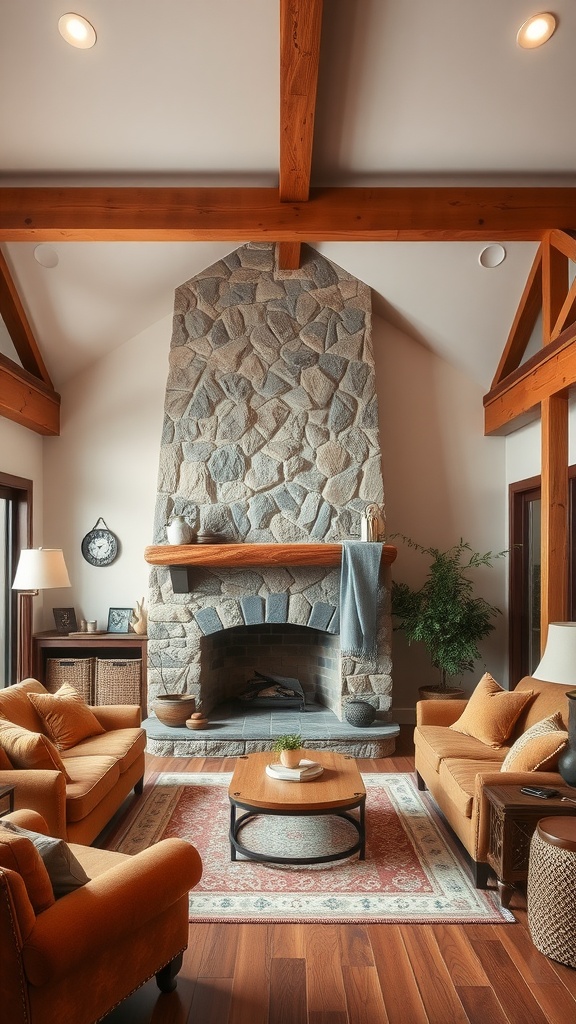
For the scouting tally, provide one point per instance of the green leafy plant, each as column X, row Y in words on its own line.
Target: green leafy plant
column 290, row 741
column 443, row 613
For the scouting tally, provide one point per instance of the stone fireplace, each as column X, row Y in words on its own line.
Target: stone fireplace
column 270, row 447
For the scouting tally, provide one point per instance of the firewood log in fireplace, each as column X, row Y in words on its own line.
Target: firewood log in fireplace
column 267, row 691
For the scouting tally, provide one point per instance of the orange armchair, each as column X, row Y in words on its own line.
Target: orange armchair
column 92, row 948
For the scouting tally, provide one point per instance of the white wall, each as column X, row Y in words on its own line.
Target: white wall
column 443, row 480
column 105, row 463
column 21, row 455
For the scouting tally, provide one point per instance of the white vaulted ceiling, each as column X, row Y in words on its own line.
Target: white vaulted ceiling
column 187, row 92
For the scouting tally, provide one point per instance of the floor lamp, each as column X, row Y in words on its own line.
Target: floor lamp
column 38, row 569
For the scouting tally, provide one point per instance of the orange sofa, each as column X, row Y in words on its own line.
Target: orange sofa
column 456, row 768
column 75, row 958
column 101, row 770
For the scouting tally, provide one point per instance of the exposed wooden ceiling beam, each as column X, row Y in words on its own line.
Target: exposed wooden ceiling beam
column 300, row 30
column 26, row 400
column 16, row 321
column 554, row 286
column 247, row 214
column 550, row 372
column 524, row 321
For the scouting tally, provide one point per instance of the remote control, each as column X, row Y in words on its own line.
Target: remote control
column 540, row 791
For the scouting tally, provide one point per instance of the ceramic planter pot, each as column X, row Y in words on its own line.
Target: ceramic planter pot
column 291, row 758
column 174, row 708
column 359, row 713
column 435, row 693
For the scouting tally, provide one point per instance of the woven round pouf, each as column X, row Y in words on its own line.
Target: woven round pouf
column 551, row 892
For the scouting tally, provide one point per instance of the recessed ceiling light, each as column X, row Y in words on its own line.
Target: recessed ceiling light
column 77, row 31
column 492, row 256
column 46, row 256
column 536, row 30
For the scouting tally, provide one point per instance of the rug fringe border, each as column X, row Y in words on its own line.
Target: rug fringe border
column 350, row 920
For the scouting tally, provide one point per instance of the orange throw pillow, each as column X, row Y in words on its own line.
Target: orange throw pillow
column 19, row 854
column 66, row 716
column 27, row 749
column 491, row 712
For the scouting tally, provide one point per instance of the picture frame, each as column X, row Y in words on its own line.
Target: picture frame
column 65, row 620
column 119, row 620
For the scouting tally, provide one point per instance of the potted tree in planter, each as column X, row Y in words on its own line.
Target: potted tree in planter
column 444, row 614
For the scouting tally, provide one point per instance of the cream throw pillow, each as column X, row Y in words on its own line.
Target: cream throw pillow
column 539, row 748
column 491, row 712
column 66, row 716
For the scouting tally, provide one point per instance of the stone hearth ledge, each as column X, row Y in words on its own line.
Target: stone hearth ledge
column 230, row 734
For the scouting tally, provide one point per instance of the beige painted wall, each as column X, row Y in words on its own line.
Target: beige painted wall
column 105, row 463
column 21, row 454
column 443, row 480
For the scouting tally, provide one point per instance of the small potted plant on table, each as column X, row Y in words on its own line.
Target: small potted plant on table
column 289, row 749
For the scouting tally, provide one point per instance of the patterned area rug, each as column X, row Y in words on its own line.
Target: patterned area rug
column 412, row 872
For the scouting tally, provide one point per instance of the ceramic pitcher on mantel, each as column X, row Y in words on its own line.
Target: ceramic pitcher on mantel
column 178, row 531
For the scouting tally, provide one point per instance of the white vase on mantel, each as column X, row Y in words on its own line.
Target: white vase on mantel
column 178, row 531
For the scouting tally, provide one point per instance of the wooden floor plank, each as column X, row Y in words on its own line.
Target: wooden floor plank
column 251, row 983
column 287, row 940
column 328, row 1017
column 356, row 946
column 481, row 1005
column 211, row 1001
column 459, row 956
column 219, row 953
column 556, row 1003
column 287, row 992
column 400, row 991
column 438, row 994
column 511, row 990
column 323, row 953
column 364, row 996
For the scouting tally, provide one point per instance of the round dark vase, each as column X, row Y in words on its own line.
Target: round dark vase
column 567, row 759
column 359, row 712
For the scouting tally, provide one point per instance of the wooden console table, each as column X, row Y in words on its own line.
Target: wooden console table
column 513, row 819
column 50, row 644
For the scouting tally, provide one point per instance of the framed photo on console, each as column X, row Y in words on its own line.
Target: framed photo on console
column 65, row 619
column 119, row 620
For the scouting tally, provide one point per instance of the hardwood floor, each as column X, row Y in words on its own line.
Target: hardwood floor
column 357, row 974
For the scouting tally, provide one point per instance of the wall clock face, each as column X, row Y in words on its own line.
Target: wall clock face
column 100, row 546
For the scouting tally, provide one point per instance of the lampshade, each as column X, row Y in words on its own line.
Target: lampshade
column 41, row 569
column 558, row 663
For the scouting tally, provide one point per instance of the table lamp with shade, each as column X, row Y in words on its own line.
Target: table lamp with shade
column 38, row 569
column 558, row 665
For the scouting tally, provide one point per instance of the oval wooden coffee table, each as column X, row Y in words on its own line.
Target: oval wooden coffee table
column 337, row 791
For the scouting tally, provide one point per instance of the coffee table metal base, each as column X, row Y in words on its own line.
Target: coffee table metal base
column 236, row 824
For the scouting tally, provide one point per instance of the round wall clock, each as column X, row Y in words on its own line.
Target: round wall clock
column 100, row 545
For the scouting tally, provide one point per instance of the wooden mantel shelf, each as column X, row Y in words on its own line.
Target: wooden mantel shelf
column 234, row 556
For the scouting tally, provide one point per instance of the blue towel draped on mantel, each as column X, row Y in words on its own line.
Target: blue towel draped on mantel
column 359, row 598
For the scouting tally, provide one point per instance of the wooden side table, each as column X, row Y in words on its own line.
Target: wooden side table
column 6, row 800
column 513, row 819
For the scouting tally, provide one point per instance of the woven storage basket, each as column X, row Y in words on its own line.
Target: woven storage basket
column 118, row 680
column 551, row 899
column 79, row 672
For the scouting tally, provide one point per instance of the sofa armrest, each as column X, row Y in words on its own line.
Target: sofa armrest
column 28, row 819
column 42, row 790
column 113, row 905
column 118, row 716
column 439, row 712
column 481, row 809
